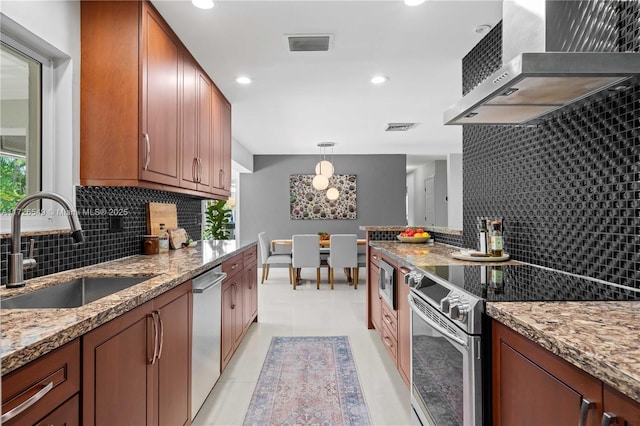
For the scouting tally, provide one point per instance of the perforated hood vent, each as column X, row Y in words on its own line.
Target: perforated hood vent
column 399, row 127
column 309, row 42
column 554, row 53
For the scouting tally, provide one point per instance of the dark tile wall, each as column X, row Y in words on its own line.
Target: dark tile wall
column 439, row 237
column 56, row 253
column 483, row 60
column 569, row 188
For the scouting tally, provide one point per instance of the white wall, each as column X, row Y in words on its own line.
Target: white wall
column 420, row 173
column 52, row 28
column 454, row 190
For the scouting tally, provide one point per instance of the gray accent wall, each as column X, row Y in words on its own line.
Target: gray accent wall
column 381, row 181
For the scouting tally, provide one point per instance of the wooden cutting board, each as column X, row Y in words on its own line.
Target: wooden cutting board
column 158, row 213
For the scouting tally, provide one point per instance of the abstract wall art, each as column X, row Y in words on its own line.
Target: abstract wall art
column 307, row 203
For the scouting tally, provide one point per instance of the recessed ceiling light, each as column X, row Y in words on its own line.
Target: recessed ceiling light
column 243, row 80
column 482, row 29
column 413, row 2
column 379, row 79
column 203, row 4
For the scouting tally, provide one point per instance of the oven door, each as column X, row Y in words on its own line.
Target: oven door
column 446, row 372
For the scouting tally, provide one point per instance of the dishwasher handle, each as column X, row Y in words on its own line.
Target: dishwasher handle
column 203, row 286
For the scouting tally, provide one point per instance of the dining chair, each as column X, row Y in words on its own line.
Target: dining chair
column 343, row 253
column 305, row 251
column 271, row 258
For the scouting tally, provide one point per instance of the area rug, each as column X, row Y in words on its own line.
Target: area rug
column 308, row 381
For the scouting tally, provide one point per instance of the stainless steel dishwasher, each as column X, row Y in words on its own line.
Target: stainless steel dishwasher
column 205, row 346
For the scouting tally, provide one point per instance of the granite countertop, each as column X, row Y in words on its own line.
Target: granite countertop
column 400, row 228
column 30, row 333
column 600, row 338
column 424, row 255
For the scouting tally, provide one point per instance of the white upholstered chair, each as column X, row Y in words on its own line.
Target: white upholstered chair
column 305, row 251
column 270, row 258
column 343, row 254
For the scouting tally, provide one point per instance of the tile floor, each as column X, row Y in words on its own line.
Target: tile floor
column 305, row 312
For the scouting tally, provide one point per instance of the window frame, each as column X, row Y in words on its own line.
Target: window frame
column 53, row 220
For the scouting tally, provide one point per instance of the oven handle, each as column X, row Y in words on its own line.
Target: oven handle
column 435, row 326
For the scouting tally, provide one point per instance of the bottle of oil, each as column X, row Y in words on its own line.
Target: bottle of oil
column 495, row 248
column 163, row 240
column 483, row 236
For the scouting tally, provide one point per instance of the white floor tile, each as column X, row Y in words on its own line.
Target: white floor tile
column 308, row 312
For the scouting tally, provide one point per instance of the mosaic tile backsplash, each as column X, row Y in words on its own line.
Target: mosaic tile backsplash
column 569, row 188
column 56, row 253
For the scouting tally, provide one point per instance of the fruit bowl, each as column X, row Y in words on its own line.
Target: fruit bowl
column 413, row 239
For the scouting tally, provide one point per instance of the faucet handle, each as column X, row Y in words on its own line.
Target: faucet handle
column 29, row 262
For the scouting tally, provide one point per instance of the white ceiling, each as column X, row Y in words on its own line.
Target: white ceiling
column 300, row 99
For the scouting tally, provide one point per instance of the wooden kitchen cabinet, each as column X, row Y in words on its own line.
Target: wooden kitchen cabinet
column 139, row 362
column 239, row 300
column 533, row 386
column 148, row 111
column 373, row 275
column 404, row 326
column 625, row 410
column 59, row 370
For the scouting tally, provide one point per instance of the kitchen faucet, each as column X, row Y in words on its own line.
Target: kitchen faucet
column 16, row 263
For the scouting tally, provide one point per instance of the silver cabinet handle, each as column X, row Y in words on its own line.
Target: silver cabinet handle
column 148, row 147
column 233, row 304
column 26, row 404
column 161, row 343
column 609, row 419
column 585, row 406
column 221, row 176
column 155, row 339
column 194, row 172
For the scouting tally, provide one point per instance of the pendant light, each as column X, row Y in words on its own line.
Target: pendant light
column 324, row 166
column 333, row 193
column 320, row 182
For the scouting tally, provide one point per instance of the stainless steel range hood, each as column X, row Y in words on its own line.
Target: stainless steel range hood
column 555, row 53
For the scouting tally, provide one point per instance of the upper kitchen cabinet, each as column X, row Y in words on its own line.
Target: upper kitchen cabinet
column 149, row 116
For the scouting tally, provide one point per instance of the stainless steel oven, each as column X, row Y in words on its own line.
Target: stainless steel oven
column 446, row 358
column 387, row 283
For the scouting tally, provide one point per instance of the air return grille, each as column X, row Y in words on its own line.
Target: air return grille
column 399, row 127
column 309, row 42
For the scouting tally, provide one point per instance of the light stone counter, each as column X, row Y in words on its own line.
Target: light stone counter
column 600, row 338
column 30, row 333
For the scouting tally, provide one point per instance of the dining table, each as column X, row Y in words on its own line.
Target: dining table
column 325, row 245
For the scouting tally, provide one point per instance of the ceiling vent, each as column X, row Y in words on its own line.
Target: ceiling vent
column 399, row 127
column 309, row 42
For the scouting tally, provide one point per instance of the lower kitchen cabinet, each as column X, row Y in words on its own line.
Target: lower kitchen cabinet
column 534, row 386
column 621, row 408
column 239, row 300
column 136, row 367
column 404, row 326
column 50, row 384
column 375, row 301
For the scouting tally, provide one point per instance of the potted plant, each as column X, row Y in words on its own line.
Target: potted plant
column 218, row 217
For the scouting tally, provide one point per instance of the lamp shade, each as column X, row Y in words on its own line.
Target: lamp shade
column 324, row 168
column 320, row 182
column 333, row 193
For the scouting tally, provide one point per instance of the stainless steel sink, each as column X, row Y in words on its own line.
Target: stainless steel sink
column 71, row 294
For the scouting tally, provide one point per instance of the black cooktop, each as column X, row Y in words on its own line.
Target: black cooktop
column 512, row 283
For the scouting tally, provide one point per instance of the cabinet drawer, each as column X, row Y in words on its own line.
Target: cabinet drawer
column 232, row 265
column 389, row 341
column 250, row 256
column 68, row 414
column 58, row 370
column 390, row 319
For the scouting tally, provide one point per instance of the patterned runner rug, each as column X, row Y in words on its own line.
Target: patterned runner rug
column 308, row 380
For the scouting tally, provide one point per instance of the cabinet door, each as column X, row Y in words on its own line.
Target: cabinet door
column 404, row 326
column 532, row 386
column 228, row 327
column 626, row 410
column 238, row 310
column 173, row 380
column 226, row 146
column 250, row 294
column 159, row 141
column 117, row 379
column 189, row 162
column 374, row 298
column 205, row 133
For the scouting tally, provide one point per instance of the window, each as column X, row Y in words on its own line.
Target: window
column 20, row 126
